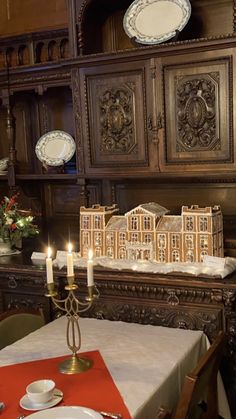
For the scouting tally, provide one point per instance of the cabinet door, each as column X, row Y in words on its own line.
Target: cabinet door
column 114, row 118
column 198, row 97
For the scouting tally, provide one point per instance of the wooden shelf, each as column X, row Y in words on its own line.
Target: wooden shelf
column 49, row 176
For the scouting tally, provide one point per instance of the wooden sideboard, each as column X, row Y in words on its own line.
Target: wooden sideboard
column 175, row 300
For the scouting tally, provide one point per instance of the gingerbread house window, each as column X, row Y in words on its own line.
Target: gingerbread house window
column 161, row 238
column 122, row 253
column 202, row 254
column 175, row 241
column 189, row 256
column 134, row 237
column 134, row 223
column 175, row 256
column 147, row 223
column 97, row 222
column 85, row 222
column 162, row 255
column 215, row 242
column 97, row 238
column 147, row 238
column 220, row 241
column 203, row 242
column 189, row 223
column 110, row 252
column 85, row 238
column 203, row 224
column 122, row 237
column 110, row 239
column 98, row 252
column 219, row 222
column 189, row 241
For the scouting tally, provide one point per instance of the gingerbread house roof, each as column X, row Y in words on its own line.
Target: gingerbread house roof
column 117, row 222
column 172, row 223
column 151, row 208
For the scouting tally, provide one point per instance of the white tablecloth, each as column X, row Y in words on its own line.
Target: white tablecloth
column 147, row 363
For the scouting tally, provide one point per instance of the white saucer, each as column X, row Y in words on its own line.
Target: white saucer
column 27, row 404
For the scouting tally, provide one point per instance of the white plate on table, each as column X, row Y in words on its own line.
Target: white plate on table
column 55, row 148
column 66, row 412
column 154, row 21
column 27, row 404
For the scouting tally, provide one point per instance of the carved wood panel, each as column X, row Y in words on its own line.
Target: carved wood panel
column 199, row 115
column 114, row 117
column 200, row 318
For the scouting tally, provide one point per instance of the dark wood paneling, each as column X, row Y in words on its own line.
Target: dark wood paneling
column 22, row 16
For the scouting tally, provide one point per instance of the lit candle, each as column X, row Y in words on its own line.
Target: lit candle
column 70, row 263
column 90, row 269
column 49, row 266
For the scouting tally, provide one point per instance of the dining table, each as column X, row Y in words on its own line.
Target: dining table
column 144, row 366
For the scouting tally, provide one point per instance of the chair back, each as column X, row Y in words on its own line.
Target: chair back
column 201, row 384
column 163, row 413
column 17, row 323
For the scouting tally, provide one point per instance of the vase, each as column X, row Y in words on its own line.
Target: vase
column 5, row 246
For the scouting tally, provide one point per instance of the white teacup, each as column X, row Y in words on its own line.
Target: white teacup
column 40, row 391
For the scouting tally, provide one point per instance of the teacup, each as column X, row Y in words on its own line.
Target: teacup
column 40, row 391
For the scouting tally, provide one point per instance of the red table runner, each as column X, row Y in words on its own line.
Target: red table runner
column 94, row 388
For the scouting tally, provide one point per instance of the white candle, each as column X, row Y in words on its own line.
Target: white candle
column 90, row 269
column 49, row 266
column 70, row 263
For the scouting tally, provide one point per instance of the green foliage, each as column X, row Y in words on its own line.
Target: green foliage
column 14, row 224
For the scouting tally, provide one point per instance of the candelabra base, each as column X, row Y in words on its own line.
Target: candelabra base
column 75, row 365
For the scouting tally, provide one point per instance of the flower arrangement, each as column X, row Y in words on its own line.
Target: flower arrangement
column 14, row 224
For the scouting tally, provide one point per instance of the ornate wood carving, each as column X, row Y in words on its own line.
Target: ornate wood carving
column 195, row 319
column 117, row 120
column 77, row 118
column 115, row 102
column 199, row 97
column 197, row 113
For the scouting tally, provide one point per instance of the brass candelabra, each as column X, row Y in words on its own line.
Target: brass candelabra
column 72, row 307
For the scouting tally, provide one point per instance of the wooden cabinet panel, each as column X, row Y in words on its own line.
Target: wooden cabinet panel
column 114, row 117
column 199, row 114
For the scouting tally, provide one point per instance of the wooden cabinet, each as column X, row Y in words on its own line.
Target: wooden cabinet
column 114, row 109
column 166, row 114
column 198, row 108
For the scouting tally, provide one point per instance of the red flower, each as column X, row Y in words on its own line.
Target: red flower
column 13, row 227
column 11, row 202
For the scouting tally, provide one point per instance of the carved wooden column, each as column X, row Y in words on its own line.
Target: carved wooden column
column 71, row 7
column 11, row 137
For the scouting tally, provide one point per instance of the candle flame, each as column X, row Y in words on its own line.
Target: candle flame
column 90, row 254
column 69, row 247
column 49, row 252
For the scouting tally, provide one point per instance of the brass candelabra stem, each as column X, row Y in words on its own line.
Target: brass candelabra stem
column 72, row 307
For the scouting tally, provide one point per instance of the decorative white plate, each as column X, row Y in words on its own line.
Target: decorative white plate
column 27, row 404
column 55, row 148
column 156, row 21
column 66, row 412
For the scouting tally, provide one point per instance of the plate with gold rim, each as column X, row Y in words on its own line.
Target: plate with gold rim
column 55, row 148
column 66, row 412
column 154, row 21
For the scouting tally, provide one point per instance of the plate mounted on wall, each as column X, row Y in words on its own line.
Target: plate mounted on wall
column 151, row 22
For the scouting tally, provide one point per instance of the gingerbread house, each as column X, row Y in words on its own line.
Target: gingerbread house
column 149, row 232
